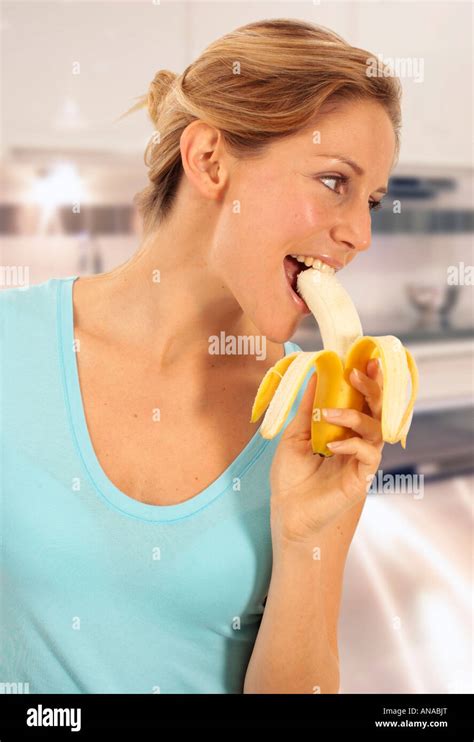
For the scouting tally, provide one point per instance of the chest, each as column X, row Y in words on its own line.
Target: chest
column 162, row 439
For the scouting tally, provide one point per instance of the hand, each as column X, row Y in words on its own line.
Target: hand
column 309, row 492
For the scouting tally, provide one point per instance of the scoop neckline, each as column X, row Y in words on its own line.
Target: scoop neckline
column 83, row 443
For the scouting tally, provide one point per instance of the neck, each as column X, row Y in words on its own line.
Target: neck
column 167, row 301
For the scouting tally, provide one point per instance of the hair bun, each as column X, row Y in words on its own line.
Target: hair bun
column 158, row 90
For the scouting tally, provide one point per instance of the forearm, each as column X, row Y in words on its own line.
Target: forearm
column 296, row 647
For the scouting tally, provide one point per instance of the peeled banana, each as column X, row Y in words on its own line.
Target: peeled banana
column 345, row 348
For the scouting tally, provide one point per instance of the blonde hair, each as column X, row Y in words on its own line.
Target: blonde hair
column 260, row 83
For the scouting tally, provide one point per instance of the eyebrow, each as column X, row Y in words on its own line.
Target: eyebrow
column 357, row 168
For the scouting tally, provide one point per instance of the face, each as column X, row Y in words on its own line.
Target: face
column 301, row 198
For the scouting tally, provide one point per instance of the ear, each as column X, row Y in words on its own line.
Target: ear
column 204, row 158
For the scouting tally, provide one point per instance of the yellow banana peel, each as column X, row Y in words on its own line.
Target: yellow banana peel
column 345, row 348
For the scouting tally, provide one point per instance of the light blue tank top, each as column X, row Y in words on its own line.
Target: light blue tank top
column 102, row 593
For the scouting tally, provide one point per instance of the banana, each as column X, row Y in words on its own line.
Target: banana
column 344, row 348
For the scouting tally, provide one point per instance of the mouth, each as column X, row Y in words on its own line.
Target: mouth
column 294, row 264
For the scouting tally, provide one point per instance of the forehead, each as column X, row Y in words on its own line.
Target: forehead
column 358, row 130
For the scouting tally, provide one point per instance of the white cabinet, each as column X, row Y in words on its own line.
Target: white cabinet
column 432, row 40
column 446, row 371
column 73, row 68
column 437, row 38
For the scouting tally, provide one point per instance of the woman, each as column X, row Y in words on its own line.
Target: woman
column 154, row 541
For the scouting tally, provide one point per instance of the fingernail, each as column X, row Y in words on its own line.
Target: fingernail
column 357, row 373
column 331, row 412
column 334, row 444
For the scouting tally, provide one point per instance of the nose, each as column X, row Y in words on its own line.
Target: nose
column 354, row 228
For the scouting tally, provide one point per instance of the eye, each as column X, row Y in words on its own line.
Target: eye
column 342, row 179
column 375, row 205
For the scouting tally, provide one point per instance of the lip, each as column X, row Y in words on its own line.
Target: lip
column 330, row 261
column 297, row 300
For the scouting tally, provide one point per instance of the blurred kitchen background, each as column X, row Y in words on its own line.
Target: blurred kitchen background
column 71, row 68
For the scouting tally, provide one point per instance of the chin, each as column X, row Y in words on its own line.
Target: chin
column 277, row 332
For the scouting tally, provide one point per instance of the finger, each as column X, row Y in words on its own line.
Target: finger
column 371, row 385
column 300, row 426
column 370, row 389
column 367, row 454
column 374, row 371
column 367, row 426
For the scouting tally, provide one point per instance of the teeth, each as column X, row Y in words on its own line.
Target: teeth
column 324, row 267
column 315, row 263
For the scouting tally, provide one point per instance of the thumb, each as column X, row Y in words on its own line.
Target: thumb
column 300, row 426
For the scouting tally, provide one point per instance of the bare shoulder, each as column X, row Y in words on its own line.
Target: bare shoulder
column 91, row 302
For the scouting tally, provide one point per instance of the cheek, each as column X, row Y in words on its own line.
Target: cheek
column 297, row 223
column 249, row 230
column 266, row 220
column 306, row 216
column 282, row 216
